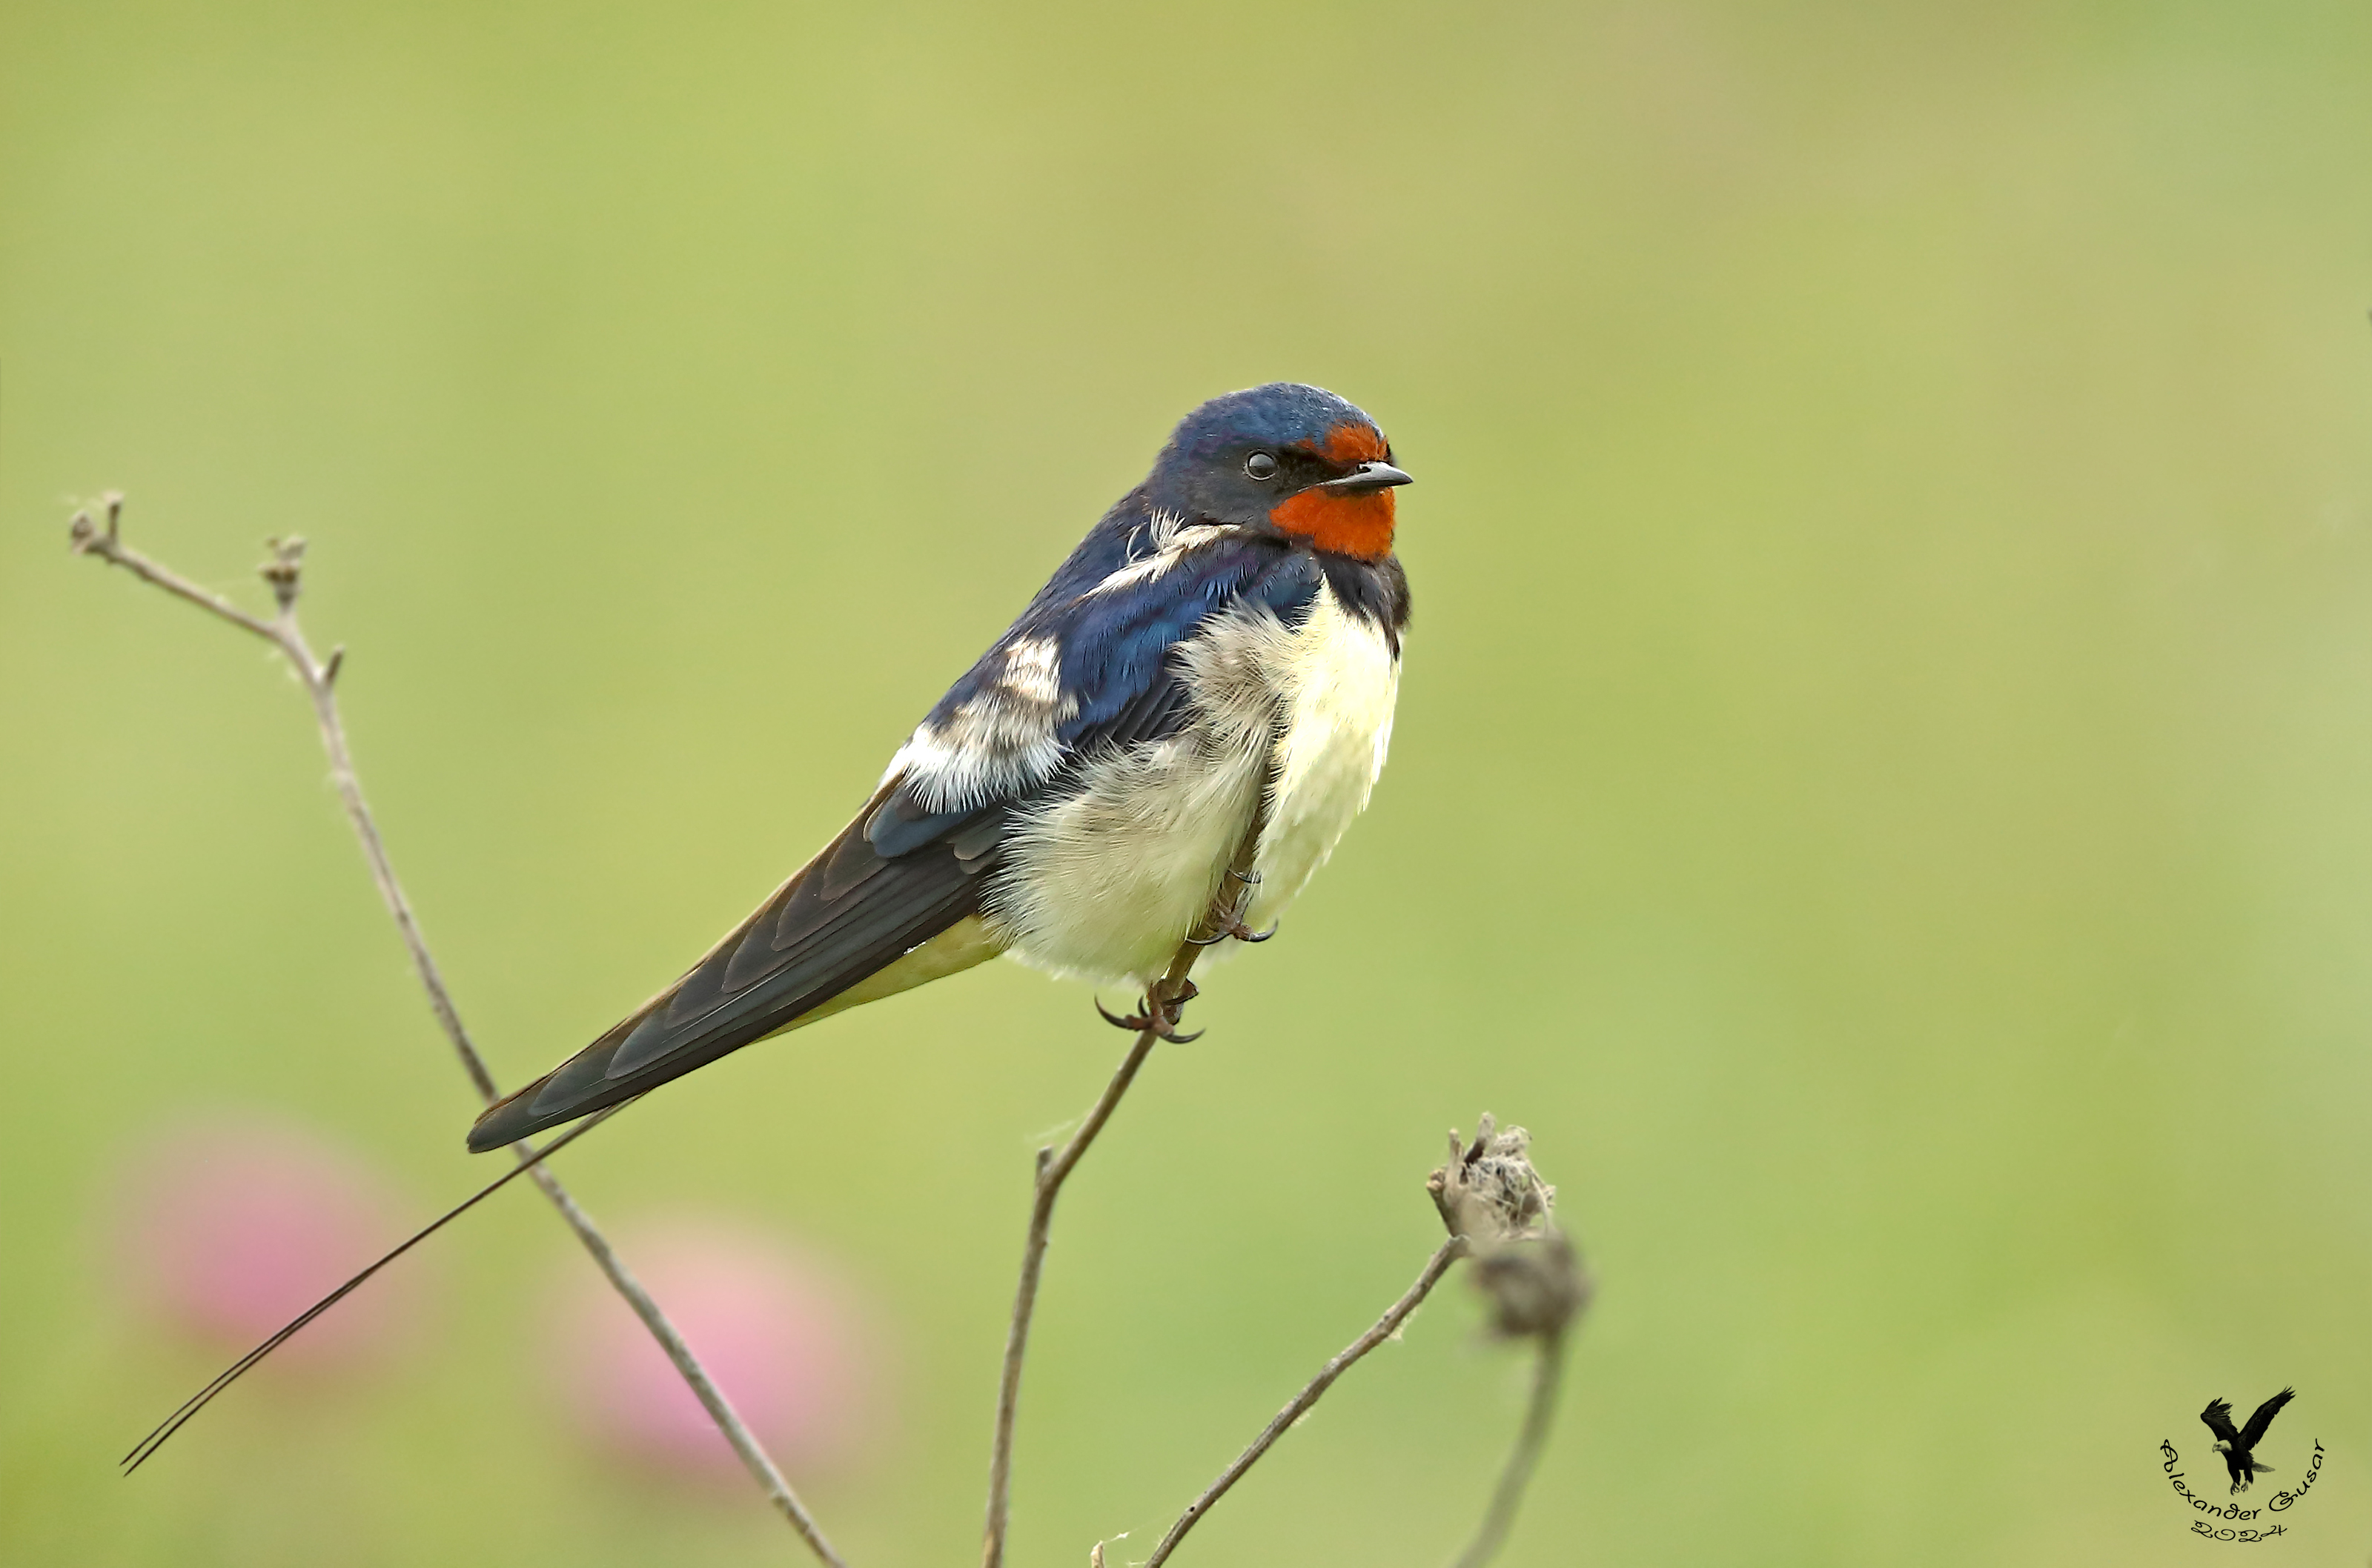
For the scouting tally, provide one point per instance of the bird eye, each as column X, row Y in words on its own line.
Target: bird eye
column 1260, row 465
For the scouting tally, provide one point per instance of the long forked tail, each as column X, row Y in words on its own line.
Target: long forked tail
column 146, row 1450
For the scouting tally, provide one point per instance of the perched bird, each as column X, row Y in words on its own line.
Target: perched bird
column 1219, row 656
column 2236, row 1445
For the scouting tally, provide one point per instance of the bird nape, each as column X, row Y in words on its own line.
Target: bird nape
column 2238, row 1447
column 1219, row 656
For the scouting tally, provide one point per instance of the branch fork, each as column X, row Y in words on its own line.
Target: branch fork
column 1493, row 1204
column 283, row 572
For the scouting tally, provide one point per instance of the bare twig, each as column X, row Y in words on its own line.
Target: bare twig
column 1169, row 992
column 1496, row 1208
column 283, row 572
column 1448, row 1252
column 1548, row 1371
column 1527, row 1271
column 1053, row 1170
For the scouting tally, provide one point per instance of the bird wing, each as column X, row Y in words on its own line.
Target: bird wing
column 1087, row 664
column 2255, row 1431
column 844, row 915
column 2218, row 1417
column 1082, row 670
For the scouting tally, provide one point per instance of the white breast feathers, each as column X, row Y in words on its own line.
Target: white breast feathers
column 1105, row 882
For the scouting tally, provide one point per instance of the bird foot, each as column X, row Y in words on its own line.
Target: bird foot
column 1160, row 1010
column 1227, row 916
column 1237, row 930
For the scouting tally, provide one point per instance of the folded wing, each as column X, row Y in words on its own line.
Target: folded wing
column 844, row 915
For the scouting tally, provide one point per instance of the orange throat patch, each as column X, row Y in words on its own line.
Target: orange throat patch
column 1343, row 525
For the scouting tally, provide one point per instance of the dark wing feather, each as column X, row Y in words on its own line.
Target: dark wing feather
column 2255, row 1431
column 2218, row 1417
column 848, row 913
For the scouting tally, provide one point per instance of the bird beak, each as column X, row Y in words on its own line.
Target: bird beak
column 1363, row 479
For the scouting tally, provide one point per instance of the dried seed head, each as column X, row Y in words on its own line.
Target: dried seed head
column 1536, row 1287
column 1489, row 1191
column 285, row 570
column 84, row 534
column 1490, row 1195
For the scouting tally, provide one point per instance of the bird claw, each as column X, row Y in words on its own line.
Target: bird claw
column 1160, row 1014
column 1227, row 914
column 1238, row 930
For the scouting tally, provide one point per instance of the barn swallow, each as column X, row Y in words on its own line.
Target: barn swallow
column 1222, row 650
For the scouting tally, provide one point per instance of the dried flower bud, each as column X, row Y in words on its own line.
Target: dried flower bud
column 284, row 569
column 1490, row 1195
column 1489, row 1191
column 84, row 535
column 1536, row 1286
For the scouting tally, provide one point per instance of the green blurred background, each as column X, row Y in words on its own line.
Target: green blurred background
column 1883, row 784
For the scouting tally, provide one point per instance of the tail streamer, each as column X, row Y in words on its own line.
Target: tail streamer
column 146, row 1447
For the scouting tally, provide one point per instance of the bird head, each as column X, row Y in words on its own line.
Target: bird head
column 1286, row 459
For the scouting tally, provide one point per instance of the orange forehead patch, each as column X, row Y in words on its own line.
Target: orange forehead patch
column 1355, row 444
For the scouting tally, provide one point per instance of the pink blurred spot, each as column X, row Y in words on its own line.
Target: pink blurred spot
column 777, row 1328
column 230, row 1226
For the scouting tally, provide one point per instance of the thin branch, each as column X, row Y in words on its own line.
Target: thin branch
column 1163, row 999
column 1053, row 1170
column 1496, row 1208
column 1547, row 1372
column 283, row 572
column 1385, row 1326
